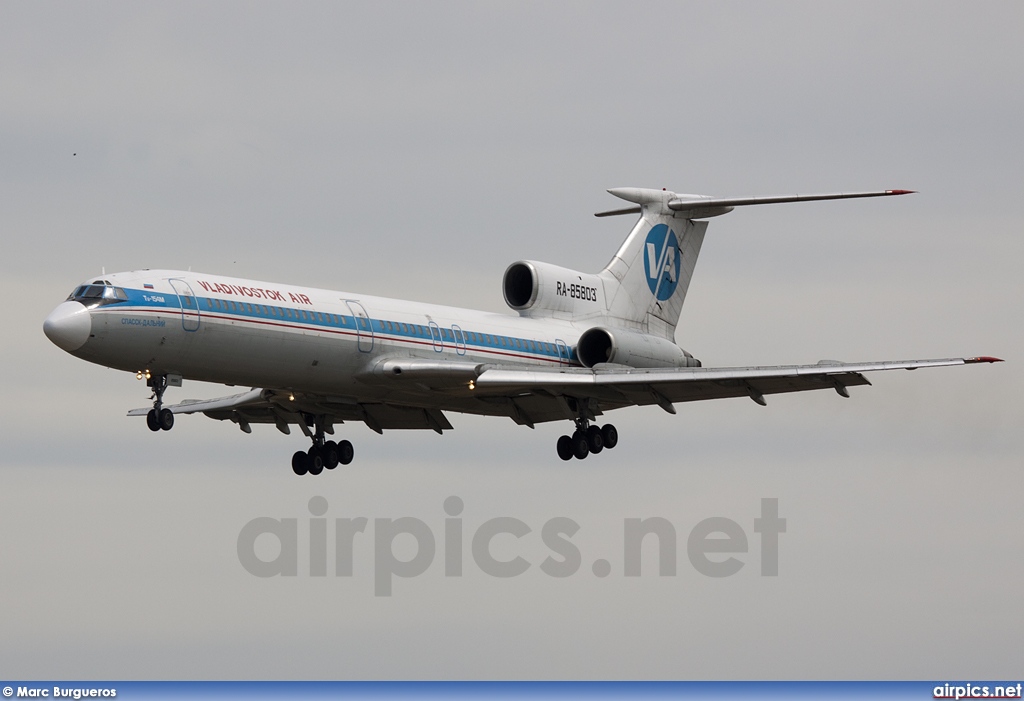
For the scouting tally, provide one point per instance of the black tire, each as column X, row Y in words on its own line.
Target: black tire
column 580, row 447
column 345, row 452
column 610, row 435
column 331, row 457
column 152, row 421
column 595, row 441
column 565, row 450
column 300, row 465
column 316, row 461
column 166, row 419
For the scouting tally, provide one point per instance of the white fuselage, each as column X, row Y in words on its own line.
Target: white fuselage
column 248, row 333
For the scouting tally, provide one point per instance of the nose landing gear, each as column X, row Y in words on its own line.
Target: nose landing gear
column 159, row 418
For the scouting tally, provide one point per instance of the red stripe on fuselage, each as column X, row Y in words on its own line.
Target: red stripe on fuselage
column 340, row 332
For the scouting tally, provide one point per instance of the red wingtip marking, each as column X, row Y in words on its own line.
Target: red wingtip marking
column 984, row 359
column 901, row 192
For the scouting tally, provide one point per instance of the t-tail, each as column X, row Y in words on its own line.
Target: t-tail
column 631, row 308
column 647, row 279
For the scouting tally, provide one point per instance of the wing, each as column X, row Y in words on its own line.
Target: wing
column 284, row 408
column 610, row 386
column 419, row 390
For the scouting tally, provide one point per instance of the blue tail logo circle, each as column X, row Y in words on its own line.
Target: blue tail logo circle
column 662, row 261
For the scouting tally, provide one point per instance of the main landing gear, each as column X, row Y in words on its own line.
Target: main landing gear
column 587, row 438
column 323, row 454
column 159, row 418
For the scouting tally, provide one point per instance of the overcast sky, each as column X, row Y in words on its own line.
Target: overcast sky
column 415, row 150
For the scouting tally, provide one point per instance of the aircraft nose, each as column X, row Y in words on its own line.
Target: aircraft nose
column 68, row 326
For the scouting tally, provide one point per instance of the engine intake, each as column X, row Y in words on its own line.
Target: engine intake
column 542, row 289
column 520, row 285
column 638, row 350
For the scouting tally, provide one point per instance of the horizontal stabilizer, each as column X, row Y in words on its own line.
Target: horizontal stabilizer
column 702, row 206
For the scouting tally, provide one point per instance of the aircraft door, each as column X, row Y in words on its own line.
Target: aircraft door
column 436, row 337
column 189, row 304
column 364, row 326
column 460, row 339
column 564, row 357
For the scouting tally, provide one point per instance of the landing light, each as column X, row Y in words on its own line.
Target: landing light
column 291, row 397
column 472, row 385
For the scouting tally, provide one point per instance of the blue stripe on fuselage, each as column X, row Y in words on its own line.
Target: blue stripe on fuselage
column 386, row 328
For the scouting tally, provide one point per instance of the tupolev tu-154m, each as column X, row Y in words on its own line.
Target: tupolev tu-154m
column 581, row 345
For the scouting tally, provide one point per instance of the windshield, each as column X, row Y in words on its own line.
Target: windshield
column 99, row 292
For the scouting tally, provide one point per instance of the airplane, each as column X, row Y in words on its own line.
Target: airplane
column 581, row 345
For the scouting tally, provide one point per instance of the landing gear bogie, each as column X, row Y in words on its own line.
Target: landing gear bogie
column 587, row 438
column 324, row 454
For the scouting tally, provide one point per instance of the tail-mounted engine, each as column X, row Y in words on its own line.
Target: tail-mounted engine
column 638, row 350
column 541, row 289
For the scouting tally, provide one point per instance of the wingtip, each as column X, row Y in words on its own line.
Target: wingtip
column 901, row 192
column 983, row 359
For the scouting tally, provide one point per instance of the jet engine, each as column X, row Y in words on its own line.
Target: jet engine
column 542, row 289
column 638, row 350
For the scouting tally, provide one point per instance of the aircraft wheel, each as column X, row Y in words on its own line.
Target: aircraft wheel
column 565, row 449
column 316, row 461
column 345, row 452
column 595, row 441
column 580, row 447
column 331, row 457
column 152, row 420
column 166, row 419
column 610, row 435
column 299, row 465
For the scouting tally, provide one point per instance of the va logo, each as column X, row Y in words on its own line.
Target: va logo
column 662, row 261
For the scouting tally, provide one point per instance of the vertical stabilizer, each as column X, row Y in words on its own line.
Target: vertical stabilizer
column 647, row 279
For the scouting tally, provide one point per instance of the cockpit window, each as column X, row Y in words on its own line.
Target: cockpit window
column 98, row 294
